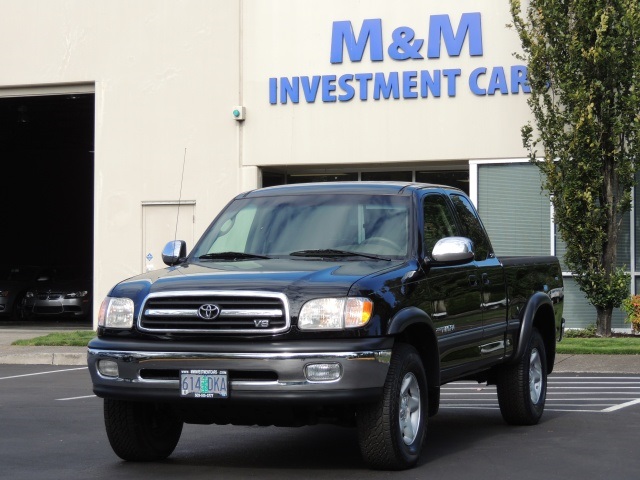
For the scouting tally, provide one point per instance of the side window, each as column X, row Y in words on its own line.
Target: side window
column 438, row 221
column 471, row 226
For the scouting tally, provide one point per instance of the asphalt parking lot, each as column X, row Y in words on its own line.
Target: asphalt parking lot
column 566, row 393
column 52, row 428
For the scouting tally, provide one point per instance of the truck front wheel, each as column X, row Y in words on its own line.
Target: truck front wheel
column 391, row 431
column 141, row 431
column 522, row 387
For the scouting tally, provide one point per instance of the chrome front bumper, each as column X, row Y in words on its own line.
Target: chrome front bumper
column 265, row 376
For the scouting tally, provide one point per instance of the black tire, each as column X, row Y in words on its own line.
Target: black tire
column 18, row 312
column 140, row 431
column 522, row 387
column 389, row 438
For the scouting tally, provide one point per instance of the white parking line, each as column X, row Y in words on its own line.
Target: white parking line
column 43, row 373
column 74, row 398
column 565, row 394
column 622, row 405
column 554, row 377
column 557, row 387
column 591, row 399
column 454, row 406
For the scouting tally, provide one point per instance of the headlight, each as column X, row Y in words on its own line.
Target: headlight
column 80, row 294
column 29, row 295
column 116, row 313
column 335, row 313
column 4, row 293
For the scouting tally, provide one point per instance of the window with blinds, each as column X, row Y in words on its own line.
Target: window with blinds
column 636, row 223
column 515, row 211
column 579, row 313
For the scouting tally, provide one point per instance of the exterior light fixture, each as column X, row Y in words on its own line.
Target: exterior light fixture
column 239, row 113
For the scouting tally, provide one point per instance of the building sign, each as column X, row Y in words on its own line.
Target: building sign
column 407, row 46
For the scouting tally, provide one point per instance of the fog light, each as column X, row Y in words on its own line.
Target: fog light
column 108, row 368
column 323, row 372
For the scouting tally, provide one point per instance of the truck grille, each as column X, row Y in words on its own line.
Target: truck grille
column 215, row 312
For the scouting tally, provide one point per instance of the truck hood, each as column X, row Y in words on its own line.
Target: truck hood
column 294, row 277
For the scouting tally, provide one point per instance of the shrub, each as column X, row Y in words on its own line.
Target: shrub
column 631, row 306
column 588, row 332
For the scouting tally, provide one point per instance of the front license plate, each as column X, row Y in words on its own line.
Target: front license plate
column 203, row 383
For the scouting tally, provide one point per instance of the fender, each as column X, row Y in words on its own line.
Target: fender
column 408, row 316
column 403, row 321
column 526, row 320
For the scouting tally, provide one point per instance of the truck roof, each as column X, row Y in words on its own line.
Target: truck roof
column 363, row 188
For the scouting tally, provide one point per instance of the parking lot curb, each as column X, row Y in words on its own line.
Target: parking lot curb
column 43, row 358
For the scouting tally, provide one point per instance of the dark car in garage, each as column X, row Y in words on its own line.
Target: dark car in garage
column 58, row 292
column 14, row 283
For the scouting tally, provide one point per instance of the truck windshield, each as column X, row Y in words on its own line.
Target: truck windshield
column 318, row 225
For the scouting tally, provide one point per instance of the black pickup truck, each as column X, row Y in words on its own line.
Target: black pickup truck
column 343, row 303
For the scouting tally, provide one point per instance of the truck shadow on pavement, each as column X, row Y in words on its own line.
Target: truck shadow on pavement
column 454, row 432
column 326, row 448
column 322, row 451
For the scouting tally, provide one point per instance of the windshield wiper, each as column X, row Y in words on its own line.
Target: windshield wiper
column 230, row 256
column 330, row 252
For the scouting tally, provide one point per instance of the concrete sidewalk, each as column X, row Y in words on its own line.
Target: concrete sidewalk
column 9, row 354
column 18, row 355
column 629, row 364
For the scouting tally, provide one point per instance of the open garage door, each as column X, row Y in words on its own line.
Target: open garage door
column 47, row 195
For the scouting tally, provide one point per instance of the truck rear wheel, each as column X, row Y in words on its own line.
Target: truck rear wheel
column 522, row 387
column 391, row 431
column 141, row 431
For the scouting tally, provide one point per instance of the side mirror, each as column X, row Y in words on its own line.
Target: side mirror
column 453, row 250
column 174, row 252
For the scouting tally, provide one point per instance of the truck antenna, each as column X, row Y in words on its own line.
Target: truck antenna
column 184, row 160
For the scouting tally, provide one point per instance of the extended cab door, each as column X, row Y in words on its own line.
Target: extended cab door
column 453, row 292
column 491, row 277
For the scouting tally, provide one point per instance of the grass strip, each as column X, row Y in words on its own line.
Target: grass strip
column 600, row 346
column 79, row 338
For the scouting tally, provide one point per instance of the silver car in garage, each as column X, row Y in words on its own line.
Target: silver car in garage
column 58, row 292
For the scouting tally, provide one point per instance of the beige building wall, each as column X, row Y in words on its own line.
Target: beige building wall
column 167, row 74
column 289, row 38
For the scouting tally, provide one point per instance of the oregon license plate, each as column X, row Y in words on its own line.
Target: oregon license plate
column 203, row 383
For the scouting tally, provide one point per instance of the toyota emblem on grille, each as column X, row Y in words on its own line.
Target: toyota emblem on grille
column 209, row 311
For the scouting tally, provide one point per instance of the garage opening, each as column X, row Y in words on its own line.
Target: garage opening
column 47, row 195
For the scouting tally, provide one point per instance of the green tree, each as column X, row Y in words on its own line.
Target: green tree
column 583, row 59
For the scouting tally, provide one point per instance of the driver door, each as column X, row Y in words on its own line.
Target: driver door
column 453, row 292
